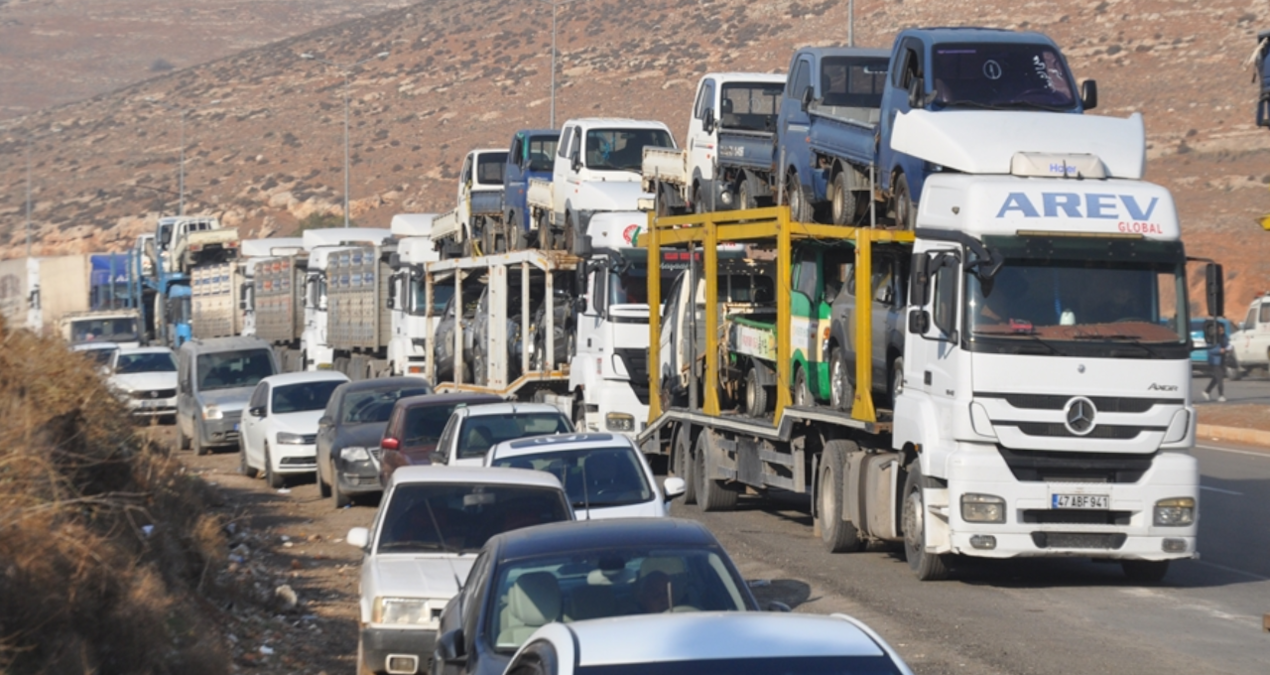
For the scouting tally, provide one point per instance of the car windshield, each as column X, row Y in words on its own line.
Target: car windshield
column 622, row 149
column 362, row 407
column 123, row 329
column 482, row 432
column 230, row 370
column 100, row 356
column 592, row 477
column 802, row 665
column 1001, row 75
column 464, row 515
column 424, row 424
column 145, row 362
column 567, row 587
column 303, row 397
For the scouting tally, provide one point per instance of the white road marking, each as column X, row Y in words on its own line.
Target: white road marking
column 1225, row 492
column 1263, row 455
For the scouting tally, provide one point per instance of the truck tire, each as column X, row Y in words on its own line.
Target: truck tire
column 903, row 206
column 712, row 495
column 927, row 566
column 800, row 208
column 801, row 393
column 1145, row 571
column 745, row 195
column 272, row 478
column 845, row 204
column 841, row 391
column 682, row 462
column 755, row 395
column 837, row 534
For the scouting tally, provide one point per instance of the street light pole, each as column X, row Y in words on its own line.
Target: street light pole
column 185, row 111
column 28, row 198
column 555, row 10
column 346, row 71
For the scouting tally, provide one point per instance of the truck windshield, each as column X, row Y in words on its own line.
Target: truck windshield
column 1080, row 299
column 622, row 149
column 750, row 106
column 121, row 329
column 489, row 168
column 441, row 294
column 231, row 370
column 1001, row 75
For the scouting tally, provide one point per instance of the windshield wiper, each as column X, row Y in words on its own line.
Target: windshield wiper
column 412, row 546
column 1033, row 106
column 1120, row 339
column 1018, row 349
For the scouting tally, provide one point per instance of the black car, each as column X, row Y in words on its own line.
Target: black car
column 349, row 434
column 581, row 570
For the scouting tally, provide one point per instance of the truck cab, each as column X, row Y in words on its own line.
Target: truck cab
column 530, row 156
column 407, row 349
column 597, row 168
column 1251, row 342
column 471, row 226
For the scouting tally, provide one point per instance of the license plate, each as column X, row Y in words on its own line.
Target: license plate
column 1095, row 502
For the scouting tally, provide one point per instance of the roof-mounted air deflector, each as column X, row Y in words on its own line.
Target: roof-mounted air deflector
column 1049, row 164
column 987, row 141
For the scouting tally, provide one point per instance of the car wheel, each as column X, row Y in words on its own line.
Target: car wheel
column 1145, row 571
column 802, row 392
column 272, row 478
column 182, row 441
column 838, row 535
column 243, row 467
column 841, row 393
column 712, row 495
column 480, row 373
column 927, row 566
column 324, row 488
column 755, row 395
column 196, row 442
column 800, row 210
column 338, row 496
column 1233, row 371
column 683, row 463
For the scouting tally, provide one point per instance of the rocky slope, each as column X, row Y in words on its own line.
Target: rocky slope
column 264, row 131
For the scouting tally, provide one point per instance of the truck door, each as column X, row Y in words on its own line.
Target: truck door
column 570, row 150
column 701, row 142
column 933, row 329
column 908, row 70
column 794, row 123
column 515, row 182
column 670, row 349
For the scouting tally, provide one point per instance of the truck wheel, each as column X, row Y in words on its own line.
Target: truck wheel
column 905, row 209
column 927, row 566
column 838, row 535
column 712, row 495
column 515, row 235
column 802, row 392
column 570, row 237
column 845, row 205
column 745, row 197
column 800, row 209
column 1145, row 571
column 272, row 478
column 683, row 463
column 338, row 496
column 755, row 395
column 841, row 392
column 1233, row 371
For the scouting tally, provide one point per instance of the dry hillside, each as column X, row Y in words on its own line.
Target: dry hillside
column 264, row 135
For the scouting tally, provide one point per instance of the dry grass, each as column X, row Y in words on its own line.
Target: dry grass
column 106, row 546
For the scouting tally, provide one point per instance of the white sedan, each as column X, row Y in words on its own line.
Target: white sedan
column 605, row 475
column 753, row 643
column 144, row 379
column 278, row 434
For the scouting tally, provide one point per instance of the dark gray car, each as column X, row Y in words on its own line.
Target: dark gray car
column 349, row 434
column 214, row 380
column 889, row 296
column 443, row 346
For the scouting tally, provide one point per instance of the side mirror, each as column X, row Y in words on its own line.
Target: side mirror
column 579, row 304
column 708, row 122
column 324, row 421
column 257, row 411
column 808, row 96
column 1214, row 290
column 575, row 162
column 450, row 646
column 1089, row 94
column 358, row 537
column 674, row 487
column 390, row 443
column 394, row 261
column 919, row 322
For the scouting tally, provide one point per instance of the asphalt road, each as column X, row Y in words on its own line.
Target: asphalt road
column 1254, row 388
column 1058, row 617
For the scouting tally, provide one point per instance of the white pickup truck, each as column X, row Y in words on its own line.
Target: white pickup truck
column 431, row 523
column 467, row 230
column 1251, row 341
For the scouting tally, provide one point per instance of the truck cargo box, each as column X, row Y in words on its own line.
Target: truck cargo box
column 280, row 299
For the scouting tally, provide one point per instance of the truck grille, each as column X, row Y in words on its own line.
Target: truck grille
column 1086, row 540
column 1075, row 517
column 1117, row 404
column 1075, row 467
column 1102, row 431
column 636, row 362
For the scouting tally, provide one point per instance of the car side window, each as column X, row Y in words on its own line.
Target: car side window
column 394, row 423
column 447, row 440
column 260, row 396
column 332, row 408
column 473, row 595
column 802, row 79
column 1265, row 312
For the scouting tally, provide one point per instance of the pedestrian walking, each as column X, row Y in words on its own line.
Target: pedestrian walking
column 1217, row 363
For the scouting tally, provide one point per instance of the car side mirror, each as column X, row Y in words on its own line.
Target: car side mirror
column 674, row 487
column 358, row 537
column 390, row 443
column 324, row 421
column 708, row 121
column 1089, row 94
column 808, row 96
column 575, row 162
column 919, row 321
column 450, row 647
column 257, row 411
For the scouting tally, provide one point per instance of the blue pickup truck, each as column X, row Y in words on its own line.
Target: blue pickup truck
column 531, row 155
column 840, row 105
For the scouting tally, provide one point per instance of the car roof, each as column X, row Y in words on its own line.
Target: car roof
column 144, row 350
column 306, row 376
column 536, row 445
column 451, row 398
column 719, row 635
column 386, row 384
column 600, row 534
column 510, row 407
column 473, row 474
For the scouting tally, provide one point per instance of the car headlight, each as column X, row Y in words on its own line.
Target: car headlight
column 212, row 412
column 982, row 508
column 355, row 453
column 1175, row 512
column 619, row 422
column 285, row 438
column 405, row 611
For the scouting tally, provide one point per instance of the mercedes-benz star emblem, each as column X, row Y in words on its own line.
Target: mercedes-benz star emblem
column 1080, row 415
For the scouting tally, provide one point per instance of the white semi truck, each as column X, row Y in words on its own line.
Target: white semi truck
column 1043, row 404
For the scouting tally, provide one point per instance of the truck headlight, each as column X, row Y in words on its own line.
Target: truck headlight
column 355, row 453
column 212, row 412
column 404, row 612
column 619, row 422
column 1175, row 512
column 982, row 508
column 285, row 438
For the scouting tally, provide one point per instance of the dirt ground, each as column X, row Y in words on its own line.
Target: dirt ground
column 1246, row 416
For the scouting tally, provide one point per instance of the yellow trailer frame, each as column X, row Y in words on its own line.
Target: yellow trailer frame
column 766, row 225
